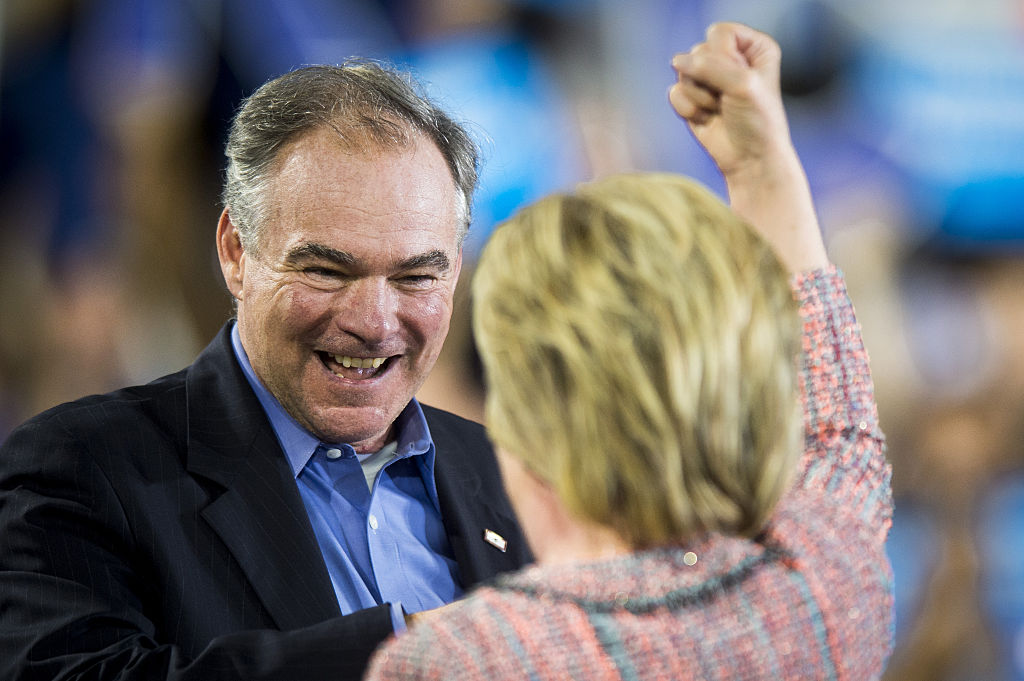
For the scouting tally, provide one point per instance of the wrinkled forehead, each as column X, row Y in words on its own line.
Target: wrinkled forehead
column 375, row 140
column 376, row 134
column 398, row 196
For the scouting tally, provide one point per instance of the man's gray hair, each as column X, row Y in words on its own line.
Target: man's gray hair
column 367, row 103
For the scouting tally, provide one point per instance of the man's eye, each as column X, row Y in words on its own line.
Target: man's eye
column 320, row 271
column 419, row 279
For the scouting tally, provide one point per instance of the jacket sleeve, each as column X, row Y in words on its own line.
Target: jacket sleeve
column 76, row 586
column 844, row 447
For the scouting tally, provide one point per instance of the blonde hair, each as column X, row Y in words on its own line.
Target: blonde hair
column 639, row 342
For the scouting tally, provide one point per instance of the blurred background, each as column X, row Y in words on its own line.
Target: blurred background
column 909, row 117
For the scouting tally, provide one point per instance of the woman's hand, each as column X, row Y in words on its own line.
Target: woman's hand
column 727, row 90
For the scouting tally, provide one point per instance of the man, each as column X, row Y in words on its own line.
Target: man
column 275, row 509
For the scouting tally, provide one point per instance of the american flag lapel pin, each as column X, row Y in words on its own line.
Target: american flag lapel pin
column 495, row 540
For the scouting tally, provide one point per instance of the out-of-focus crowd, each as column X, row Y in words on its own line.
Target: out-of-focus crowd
column 907, row 116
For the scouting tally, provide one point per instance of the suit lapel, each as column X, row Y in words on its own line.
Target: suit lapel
column 473, row 501
column 260, row 515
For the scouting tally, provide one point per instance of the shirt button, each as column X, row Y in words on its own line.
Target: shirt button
column 333, row 453
column 373, row 522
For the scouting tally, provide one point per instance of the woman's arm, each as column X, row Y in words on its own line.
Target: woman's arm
column 727, row 90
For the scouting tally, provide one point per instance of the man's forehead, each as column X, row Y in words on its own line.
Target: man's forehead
column 352, row 143
column 398, row 198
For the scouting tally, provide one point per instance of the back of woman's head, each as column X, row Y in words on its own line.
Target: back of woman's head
column 640, row 342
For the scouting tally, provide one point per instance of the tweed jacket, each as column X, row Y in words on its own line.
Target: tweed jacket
column 158, row 533
column 809, row 598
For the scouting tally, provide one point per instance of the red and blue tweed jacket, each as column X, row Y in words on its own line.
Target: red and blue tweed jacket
column 811, row 598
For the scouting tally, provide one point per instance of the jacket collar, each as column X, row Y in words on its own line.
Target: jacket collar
column 259, row 515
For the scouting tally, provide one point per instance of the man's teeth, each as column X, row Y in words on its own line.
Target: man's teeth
column 359, row 362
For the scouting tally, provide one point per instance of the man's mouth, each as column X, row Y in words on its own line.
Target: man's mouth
column 357, row 368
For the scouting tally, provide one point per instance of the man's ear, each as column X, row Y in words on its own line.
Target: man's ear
column 231, row 254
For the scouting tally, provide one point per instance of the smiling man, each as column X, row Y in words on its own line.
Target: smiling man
column 344, row 303
column 275, row 510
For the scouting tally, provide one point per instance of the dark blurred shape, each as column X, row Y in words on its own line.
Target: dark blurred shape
column 985, row 215
column 816, row 47
column 1001, row 545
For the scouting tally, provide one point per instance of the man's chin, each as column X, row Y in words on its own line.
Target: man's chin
column 367, row 428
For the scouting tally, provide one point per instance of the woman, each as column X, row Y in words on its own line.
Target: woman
column 639, row 340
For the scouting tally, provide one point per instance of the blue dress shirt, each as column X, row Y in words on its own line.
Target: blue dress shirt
column 382, row 537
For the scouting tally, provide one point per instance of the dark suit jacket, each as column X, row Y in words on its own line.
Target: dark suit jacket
column 157, row 532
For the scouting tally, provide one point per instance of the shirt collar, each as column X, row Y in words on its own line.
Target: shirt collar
column 299, row 444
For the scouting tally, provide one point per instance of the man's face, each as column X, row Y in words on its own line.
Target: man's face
column 345, row 306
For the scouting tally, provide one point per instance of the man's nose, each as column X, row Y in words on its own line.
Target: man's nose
column 371, row 310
